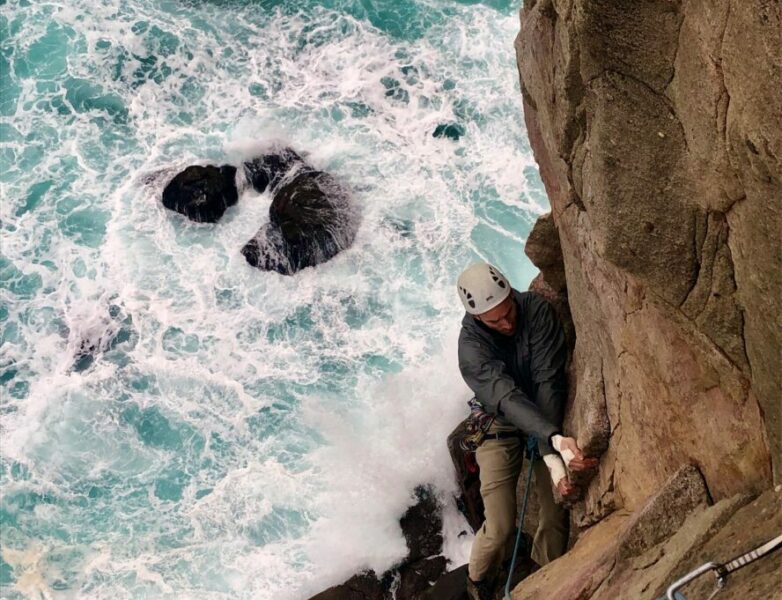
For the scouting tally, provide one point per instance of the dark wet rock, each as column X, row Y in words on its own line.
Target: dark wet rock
column 202, row 193
column 451, row 131
column 451, row 586
column 268, row 170
column 422, row 526
column 311, row 219
column 365, row 586
column 419, row 576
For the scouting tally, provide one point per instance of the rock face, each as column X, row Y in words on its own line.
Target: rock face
column 665, row 512
column 594, row 568
column 311, row 217
column 545, row 251
column 452, row 131
column 657, row 128
column 202, row 193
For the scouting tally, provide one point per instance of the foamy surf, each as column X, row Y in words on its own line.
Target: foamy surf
column 175, row 423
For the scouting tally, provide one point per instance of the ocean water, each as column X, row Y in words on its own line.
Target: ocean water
column 173, row 422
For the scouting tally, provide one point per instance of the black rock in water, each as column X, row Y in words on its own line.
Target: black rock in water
column 451, row 586
column 310, row 219
column 267, row 170
column 202, row 193
column 422, row 526
column 410, row 579
column 452, row 131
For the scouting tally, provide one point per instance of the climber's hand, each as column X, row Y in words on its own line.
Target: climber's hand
column 572, row 455
column 567, row 490
column 584, row 463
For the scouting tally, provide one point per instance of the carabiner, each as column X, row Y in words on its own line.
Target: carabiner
column 709, row 566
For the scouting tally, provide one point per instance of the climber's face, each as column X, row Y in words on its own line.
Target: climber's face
column 502, row 318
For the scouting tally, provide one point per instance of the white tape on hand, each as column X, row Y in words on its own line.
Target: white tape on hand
column 555, row 467
column 567, row 455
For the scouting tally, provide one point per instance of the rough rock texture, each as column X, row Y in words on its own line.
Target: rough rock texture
column 202, row 193
column 545, row 252
column 451, row 586
column 266, row 171
column 657, row 128
column 587, row 564
column 597, row 568
column 752, row 525
column 641, row 240
column 422, row 527
column 646, row 576
column 311, row 218
column 665, row 512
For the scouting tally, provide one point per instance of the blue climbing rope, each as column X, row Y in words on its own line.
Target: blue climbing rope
column 532, row 454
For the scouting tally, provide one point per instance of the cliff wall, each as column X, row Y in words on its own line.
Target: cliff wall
column 657, row 127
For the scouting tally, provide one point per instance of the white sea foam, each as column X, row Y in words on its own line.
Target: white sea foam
column 239, row 433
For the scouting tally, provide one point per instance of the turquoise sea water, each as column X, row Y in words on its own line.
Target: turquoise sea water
column 174, row 423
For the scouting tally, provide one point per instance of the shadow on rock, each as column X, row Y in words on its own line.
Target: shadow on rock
column 202, row 193
column 311, row 217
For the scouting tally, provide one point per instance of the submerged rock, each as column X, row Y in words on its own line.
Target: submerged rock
column 202, row 193
column 311, row 218
column 452, row 131
column 99, row 333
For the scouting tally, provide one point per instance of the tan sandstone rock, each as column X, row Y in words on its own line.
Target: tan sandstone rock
column 624, row 557
column 657, row 128
column 651, row 278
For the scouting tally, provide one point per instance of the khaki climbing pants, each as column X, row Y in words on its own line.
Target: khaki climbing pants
column 500, row 464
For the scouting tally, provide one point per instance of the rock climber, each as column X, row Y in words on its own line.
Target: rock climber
column 512, row 355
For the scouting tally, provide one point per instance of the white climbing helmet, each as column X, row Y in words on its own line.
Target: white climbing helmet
column 482, row 287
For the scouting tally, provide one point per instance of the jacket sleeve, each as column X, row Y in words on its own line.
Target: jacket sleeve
column 495, row 389
column 548, row 355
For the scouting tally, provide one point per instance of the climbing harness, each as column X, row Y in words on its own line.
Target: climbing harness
column 722, row 571
column 533, row 455
column 478, row 426
column 471, row 441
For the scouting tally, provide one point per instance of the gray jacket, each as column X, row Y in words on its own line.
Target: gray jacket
column 519, row 378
